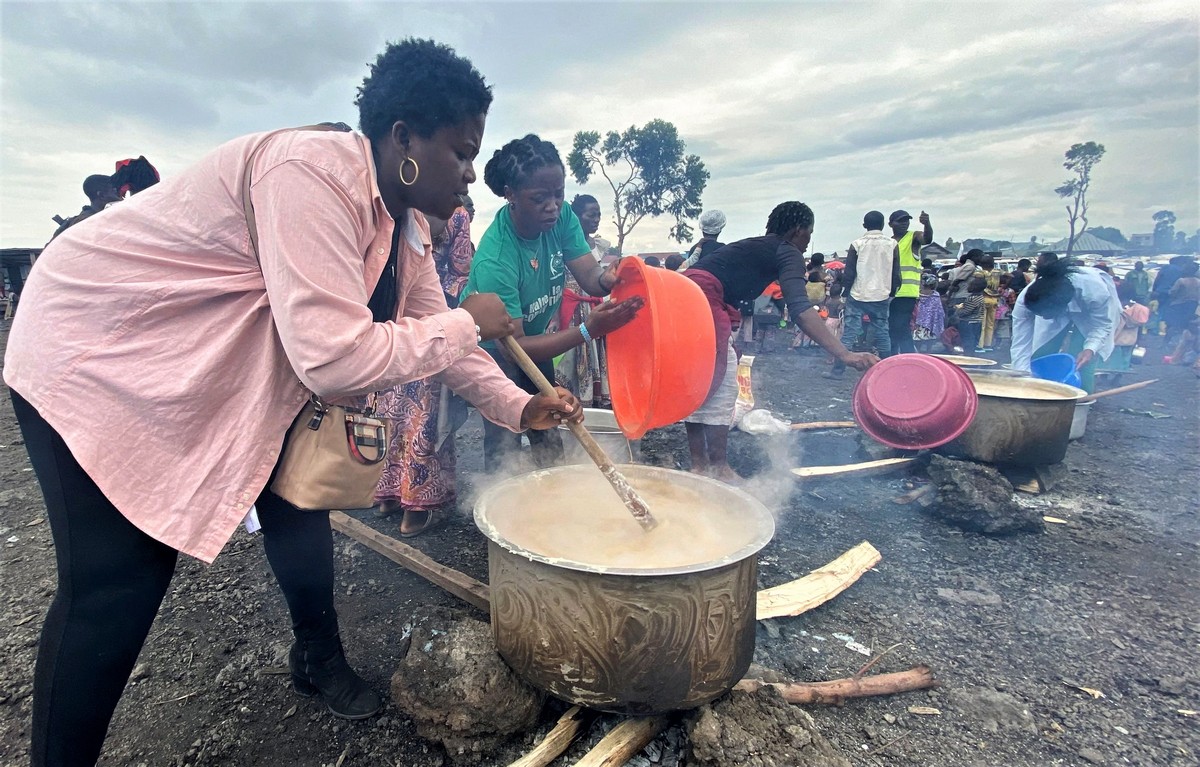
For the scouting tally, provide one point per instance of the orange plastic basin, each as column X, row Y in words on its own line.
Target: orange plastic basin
column 660, row 365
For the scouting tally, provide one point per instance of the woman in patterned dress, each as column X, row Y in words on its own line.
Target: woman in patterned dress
column 418, row 477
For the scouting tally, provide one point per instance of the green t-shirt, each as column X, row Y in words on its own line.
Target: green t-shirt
column 528, row 275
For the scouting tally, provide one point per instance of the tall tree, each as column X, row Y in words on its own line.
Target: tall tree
column 1164, row 230
column 648, row 172
column 1110, row 234
column 1080, row 159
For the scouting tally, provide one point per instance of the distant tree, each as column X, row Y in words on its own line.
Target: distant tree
column 1109, row 234
column 1193, row 243
column 951, row 245
column 648, row 172
column 1181, row 242
column 1080, row 159
column 1164, row 230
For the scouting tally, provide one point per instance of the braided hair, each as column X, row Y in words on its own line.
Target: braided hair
column 423, row 83
column 513, row 164
column 788, row 216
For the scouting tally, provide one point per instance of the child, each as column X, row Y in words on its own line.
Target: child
column 834, row 308
column 930, row 317
column 991, row 300
column 969, row 314
column 1004, row 306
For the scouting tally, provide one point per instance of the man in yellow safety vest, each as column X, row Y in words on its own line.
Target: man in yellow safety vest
column 905, row 301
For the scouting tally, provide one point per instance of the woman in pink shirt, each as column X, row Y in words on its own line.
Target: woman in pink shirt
column 139, row 327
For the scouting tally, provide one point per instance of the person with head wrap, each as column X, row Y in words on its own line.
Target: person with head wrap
column 712, row 223
column 1065, row 305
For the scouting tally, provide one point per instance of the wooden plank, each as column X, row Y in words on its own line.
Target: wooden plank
column 623, row 742
column 459, row 584
column 819, row 425
column 558, row 739
column 886, row 464
column 819, row 586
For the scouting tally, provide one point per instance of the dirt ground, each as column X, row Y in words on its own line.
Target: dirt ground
column 1013, row 627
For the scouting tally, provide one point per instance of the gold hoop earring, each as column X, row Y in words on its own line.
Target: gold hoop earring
column 416, row 171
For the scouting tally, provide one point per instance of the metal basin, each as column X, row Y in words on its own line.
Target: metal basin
column 1021, row 421
column 627, row 639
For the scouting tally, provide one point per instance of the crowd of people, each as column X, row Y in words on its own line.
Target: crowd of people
column 164, row 350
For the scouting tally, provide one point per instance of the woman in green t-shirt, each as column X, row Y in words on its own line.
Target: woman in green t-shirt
column 522, row 257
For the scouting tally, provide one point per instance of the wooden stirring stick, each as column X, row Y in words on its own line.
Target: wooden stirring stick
column 637, row 507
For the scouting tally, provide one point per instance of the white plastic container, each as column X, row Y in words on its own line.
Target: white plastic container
column 1079, row 422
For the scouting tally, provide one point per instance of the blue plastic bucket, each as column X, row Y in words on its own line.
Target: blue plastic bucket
column 1056, row 367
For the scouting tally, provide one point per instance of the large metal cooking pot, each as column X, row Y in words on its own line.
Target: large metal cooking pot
column 1021, row 421
column 631, row 640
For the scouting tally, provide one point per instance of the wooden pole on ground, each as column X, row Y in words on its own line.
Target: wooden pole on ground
column 460, row 585
column 819, row 586
column 558, row 739
column 838, row 691
column 623, row 741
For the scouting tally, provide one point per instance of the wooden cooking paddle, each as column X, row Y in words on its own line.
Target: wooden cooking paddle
column 637, row 507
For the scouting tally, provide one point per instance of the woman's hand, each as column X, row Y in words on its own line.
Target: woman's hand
column 608, row 277
column 490, row 315
column 546, row 412
column 859, row 360
column 609, row 316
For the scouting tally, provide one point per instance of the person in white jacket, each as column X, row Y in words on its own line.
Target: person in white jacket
column 1066, row 304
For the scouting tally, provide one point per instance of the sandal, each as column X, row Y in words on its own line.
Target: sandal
column 386, row 509
column 431, row 521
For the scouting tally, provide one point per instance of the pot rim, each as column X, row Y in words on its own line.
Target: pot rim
column 1065, row 392
column 753, row 508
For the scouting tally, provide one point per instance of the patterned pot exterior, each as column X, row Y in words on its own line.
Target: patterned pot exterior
column 630, row 644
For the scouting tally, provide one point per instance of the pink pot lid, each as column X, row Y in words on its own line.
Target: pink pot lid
column 909, row 387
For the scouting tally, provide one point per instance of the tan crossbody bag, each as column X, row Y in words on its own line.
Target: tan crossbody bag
column 333, row 455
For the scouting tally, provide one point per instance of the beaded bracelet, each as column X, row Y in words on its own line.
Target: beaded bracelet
column 583, row 331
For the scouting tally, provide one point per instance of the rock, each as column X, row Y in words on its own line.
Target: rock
column 1092, row 755
column 995, row 710
column 458, row 690
column 1172, row 685
column 889, row 718
column 977, row 498
column 140, row 671
column 757, row 729
column 971, row 598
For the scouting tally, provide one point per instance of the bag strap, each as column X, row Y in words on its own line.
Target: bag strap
column 247, row 206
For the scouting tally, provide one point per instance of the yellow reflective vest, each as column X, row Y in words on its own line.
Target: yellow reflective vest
column 910, row 268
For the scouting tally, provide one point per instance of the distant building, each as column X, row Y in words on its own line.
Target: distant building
column 15, row 264
column 1089, row 243
column 1140, row 241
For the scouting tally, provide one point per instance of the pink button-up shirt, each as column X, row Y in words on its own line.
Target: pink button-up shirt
column 172, row 361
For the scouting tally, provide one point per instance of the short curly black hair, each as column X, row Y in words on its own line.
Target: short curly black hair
column 788, row 216
column 516, row 161
column 425, row 84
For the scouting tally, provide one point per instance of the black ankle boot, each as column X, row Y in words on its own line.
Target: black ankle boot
column 320, row 668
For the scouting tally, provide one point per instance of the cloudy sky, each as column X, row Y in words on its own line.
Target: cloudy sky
column 962, row 109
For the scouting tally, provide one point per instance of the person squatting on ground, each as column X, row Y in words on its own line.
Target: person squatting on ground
column 154, row 371
column 904, row 300
column 1065, row 307
column 872, row 275
column 523, row 257
column 737, row 272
